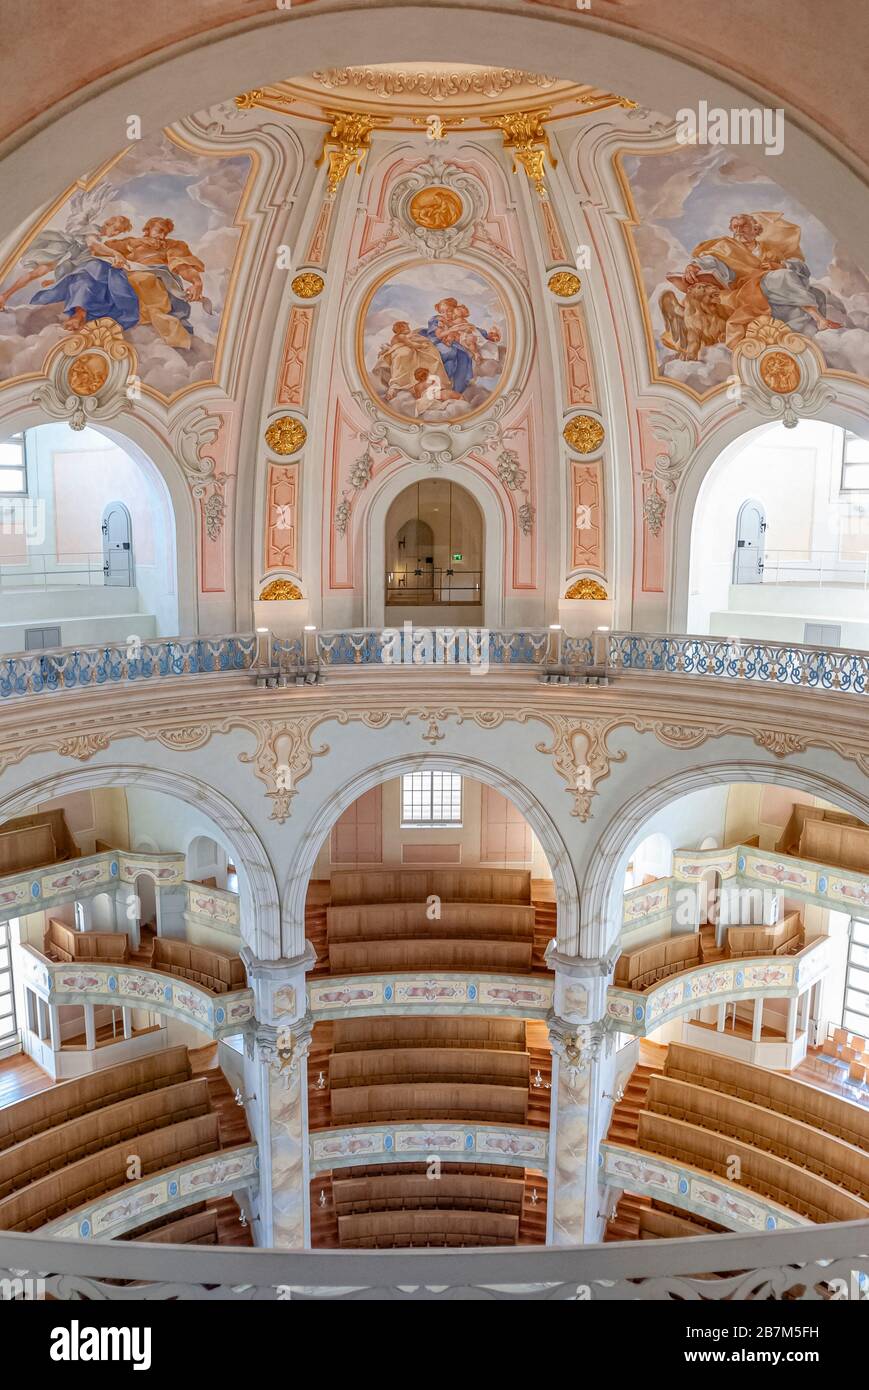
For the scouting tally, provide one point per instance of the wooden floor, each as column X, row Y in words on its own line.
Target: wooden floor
column 20, row 1077
column 827, row 1078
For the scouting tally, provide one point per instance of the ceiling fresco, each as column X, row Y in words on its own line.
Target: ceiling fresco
column 148, row 243
column 319, row 292
column 716, row 245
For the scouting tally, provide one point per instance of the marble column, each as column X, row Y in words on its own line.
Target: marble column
column 576, row 1031
column 277, row 1080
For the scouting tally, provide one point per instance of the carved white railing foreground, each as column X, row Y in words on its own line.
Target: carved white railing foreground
column 808, row 1264
column 790, row 664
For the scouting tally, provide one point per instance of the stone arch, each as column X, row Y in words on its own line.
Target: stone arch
column 320, row 825
column 258, row 891
column 601, row 888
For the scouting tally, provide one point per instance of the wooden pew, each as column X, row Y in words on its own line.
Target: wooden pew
column 789, row 1138
column 782, row 939
column 763, row 1173
column 216, row 971
column 78, row 1183
column 70, row 1099
column 387, row 1229
column 411, row 1192
column 358, row 1034
column 417, row 885
column 198, row 1229
column 395, row 921
column 354, row 1105
column 363, row 957
column 399, row 1067
column 65, row 1143
column 645, row 966
column 62, row 943
column 784, row 1094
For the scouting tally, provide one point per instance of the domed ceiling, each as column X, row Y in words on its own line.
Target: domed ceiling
column 319, row 291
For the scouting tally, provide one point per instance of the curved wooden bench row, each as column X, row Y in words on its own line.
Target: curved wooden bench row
column 198, row 1229
column 801, row 1143
column 70, row 1187
column 356, row 1196
column 217, row 971
column 429, row 1101
column 397, row 921
column 763, row 1173
column 397, row 1067
column 781, row 940
column 642, row 968
column 421, row 1228
column 661, row 1225
column 841, row 1118
column 356, row 958
column 70, row 1099
column 63, row 1144
column 496, row 1034
column 416, row 885
column 62, row 943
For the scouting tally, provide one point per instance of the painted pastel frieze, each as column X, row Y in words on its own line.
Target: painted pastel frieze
column 147, row 246
column 435, row 342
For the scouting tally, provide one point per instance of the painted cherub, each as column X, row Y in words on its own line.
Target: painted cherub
column 460, row 330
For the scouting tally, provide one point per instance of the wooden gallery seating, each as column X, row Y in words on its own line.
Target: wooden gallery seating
column 498, row 1034
column 826, row 837
column 417, row 885
column 65, row 1143
column 782, row 1135
column 216, row 971
column 62, row 943
column 50, row 1197
column 386, row 1229
column 69, row 1099
column 72, row 1143
column 783, row 939
column 783, row 1094
column 428, row 1068
column 644, row 967
column 29, row 842
column 401, row 936
column 784, row 1182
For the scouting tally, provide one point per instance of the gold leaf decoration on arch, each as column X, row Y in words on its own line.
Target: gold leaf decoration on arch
column 586, row 588
column 286, row 435
column 280, row 590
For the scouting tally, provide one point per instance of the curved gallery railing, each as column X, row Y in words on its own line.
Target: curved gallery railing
column 417, row 1140
column 809, row 1263
column 502, row 996
column 726, row 658
column 217, row 1175
column 722, row 982
column 90, row 982
column 788, row 664
column 71, row 668
column 650, row 1175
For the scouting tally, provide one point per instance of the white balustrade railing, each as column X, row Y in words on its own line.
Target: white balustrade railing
column 812, row 1263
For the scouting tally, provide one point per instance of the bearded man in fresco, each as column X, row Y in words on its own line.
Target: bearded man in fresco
column 759, row 269
column 157, row 266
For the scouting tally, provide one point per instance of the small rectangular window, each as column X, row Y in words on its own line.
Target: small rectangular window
column 13, row 467
column 855, row 463
column 431, row 798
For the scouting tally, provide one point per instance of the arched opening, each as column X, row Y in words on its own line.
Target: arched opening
column 207, row 862
column 429, row 909
column 766, row 872
column 87, row 545
column 652, row 858
column 780, row 539
column 434, row 560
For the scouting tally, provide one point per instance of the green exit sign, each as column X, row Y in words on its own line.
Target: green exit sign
column 458, row 555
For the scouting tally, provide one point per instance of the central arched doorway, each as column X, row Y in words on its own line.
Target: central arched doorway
column 434, row 555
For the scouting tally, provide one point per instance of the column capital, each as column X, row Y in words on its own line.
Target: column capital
column 576, row 1045
column 279, row 985
column 282, row 1047
column 580, row 984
